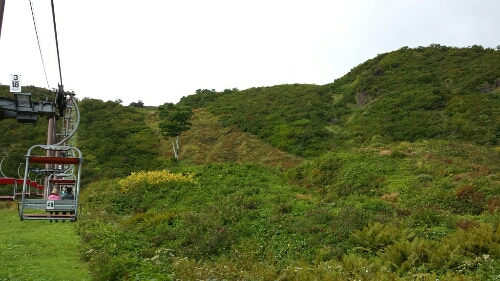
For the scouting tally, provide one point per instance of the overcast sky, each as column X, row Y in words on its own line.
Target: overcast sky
column 158, row 51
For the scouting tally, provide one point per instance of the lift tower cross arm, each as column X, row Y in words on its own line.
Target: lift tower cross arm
column 25, row 110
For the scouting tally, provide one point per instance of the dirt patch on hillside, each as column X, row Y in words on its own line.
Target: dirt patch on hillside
column 209, row 142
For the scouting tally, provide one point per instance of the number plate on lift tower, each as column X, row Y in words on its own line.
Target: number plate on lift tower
column 15, row 83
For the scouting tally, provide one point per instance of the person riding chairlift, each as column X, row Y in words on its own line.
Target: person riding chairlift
column 54, row 195
column 68, row 196
column 69, row 193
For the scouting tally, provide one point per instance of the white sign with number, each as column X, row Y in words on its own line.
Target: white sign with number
column 50, row 205
column 15, row 83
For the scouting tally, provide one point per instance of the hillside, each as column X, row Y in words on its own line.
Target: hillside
column 409, row 209
column 434, row 92
column 209, row 142
column 119, row 140
column 391, row 172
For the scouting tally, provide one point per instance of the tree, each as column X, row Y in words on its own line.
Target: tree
column 173, row 121
column 137, row 104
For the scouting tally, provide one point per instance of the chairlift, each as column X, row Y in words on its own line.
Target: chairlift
column 29, row 183
column 34, row 187
column 6, row 184
column 44, row 209
column 59, row 181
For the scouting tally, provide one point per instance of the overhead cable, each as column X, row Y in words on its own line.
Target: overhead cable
column 39, row 46
column 57, row 41
column 2, row 8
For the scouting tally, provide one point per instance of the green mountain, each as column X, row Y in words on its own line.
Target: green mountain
column 391, row 172
column 435, row 92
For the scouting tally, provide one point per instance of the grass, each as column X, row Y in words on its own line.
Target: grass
column 38, row 250
column 428, row 209
column 209, row 142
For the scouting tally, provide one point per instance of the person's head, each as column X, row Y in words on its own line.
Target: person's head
column 69, row 189
column 55, row 191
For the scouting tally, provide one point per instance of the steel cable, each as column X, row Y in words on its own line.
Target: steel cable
column 39, row 46
column 57, row 41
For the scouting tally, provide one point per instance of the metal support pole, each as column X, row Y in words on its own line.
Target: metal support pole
column 49, row 153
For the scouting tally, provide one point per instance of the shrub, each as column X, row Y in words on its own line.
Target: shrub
column 493, row 204
column 375, row 237
column 469, row 200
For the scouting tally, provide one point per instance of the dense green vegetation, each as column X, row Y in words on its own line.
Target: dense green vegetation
column 428, row 208
column 434, row 92
column 116, row 140
column 391, row 172
column 290, row 117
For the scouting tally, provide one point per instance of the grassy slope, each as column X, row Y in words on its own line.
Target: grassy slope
column 243, row 222
column 38, row 250
column 440, row 179
column 209, row 142
column 406, row 95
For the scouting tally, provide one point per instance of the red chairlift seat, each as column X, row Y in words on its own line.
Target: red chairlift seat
column 5, row 181
column 29, row 183
column 33, row 184
column 27, row 193
column 54, row 160
column 21, row 181
column 8, row 181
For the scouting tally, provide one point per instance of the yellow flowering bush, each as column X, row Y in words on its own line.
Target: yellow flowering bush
column 152, row 178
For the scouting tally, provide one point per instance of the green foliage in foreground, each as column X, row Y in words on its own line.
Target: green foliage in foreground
column 423, row 210
column 38, row 250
